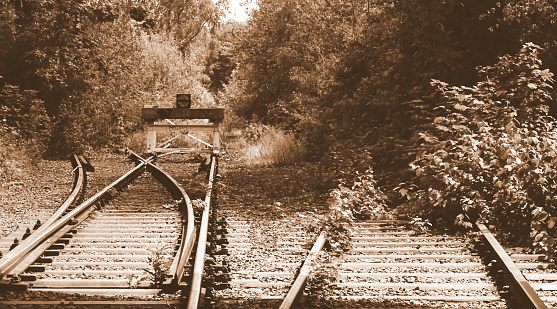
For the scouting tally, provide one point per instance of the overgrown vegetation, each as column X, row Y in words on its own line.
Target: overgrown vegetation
column 322, row 281
column 159, row 262
column 361, row 200
column 489, row 151
column 75, row 74
column 345, row 83
column 358, row 92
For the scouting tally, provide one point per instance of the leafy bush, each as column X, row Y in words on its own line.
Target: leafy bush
column 361, row 201
column 159, row 262
column 323, row 280
column 489, row 151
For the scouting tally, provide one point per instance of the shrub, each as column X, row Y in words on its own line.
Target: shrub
column 323, row 280
column 23, row 114
column 490, row 150
column 24, row 130
column 360, row 201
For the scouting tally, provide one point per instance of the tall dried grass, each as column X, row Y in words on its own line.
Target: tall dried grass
column 274, row 147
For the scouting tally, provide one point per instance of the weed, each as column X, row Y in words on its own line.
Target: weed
column 159, row 263
column 322, row 281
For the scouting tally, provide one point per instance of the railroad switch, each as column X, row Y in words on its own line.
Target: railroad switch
column 86, row 164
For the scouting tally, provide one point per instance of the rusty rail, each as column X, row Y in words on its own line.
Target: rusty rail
column 8, row 263
column 19, row 256
column 80, row 181
column 199, row 264
column 518, row 284
column 297, row 288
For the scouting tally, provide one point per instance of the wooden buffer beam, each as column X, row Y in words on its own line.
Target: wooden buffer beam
column 151, row 114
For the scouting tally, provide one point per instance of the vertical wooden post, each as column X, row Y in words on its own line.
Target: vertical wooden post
column 151, row 139
column 216, row 137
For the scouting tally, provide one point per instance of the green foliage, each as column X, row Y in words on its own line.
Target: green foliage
column 187, row 20
column 24, row 129
column 221, row 61
column 22, row 113
column 489, row 150
column 363, row 198
column 360, row 201
column 512, row 22
column 283, row 51
column 322, row 281
column 95, row 64
column 159, row 262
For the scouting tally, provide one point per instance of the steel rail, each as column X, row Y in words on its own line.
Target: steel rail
column 519, row 285
column 80, row 180
column 199, row 264
column 297, row 289
column 14, row 257
column 97, row 303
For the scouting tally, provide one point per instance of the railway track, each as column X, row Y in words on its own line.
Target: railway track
column 136, row 243
column 139, row 237
column 114, row 246
column 35, row 221
column 261, row 267
column 391, row 262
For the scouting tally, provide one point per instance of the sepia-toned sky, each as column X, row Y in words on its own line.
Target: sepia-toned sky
column 239, row 9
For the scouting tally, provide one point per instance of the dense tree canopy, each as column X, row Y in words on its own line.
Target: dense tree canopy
column 95, row 63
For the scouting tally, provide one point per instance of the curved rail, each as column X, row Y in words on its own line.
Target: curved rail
column 199, row 264
column 519, row 285
column 297, row 288
column 80, row 181
column 16, row 256
column 57, row 229
column 188, row 230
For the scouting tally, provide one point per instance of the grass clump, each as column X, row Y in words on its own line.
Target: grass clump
column 264, row 145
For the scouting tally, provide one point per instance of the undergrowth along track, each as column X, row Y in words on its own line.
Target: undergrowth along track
column 391, row 264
